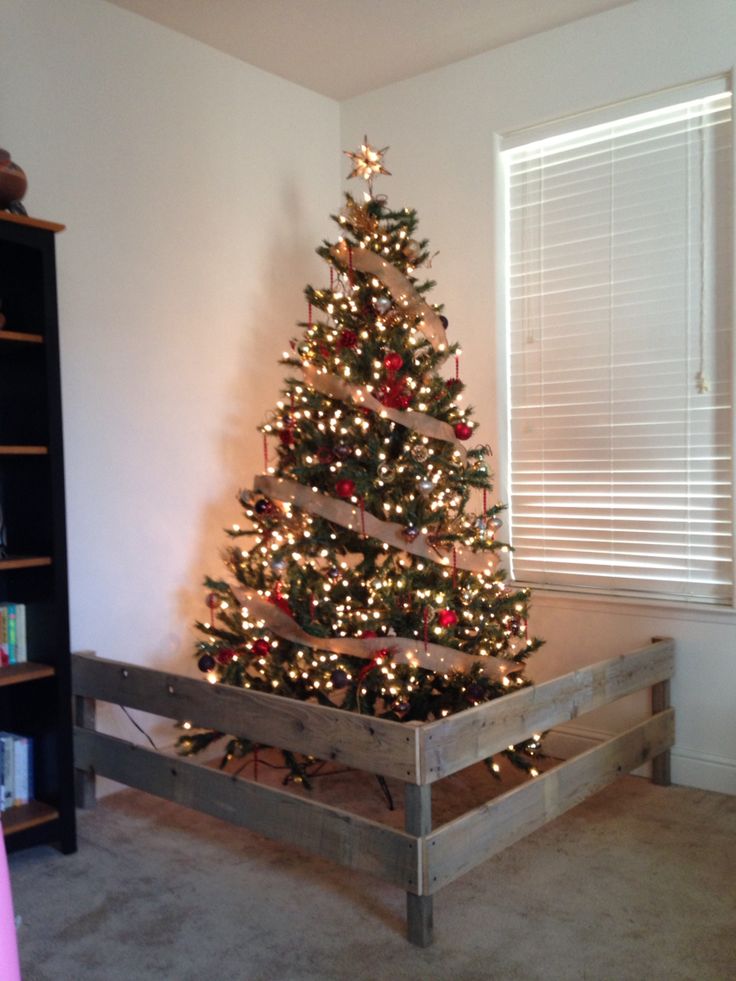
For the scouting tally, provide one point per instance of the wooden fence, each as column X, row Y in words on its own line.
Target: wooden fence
column 422, row 858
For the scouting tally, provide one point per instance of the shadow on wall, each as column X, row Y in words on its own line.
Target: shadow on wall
column 256, row 390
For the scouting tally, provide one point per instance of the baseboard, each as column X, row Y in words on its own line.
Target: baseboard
column 689, row 769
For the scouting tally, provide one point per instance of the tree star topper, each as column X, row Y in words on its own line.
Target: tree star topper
column 367, row 163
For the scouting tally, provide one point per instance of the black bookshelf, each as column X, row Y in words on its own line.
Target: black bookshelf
column 35, row 698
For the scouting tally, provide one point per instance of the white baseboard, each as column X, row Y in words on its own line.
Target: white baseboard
column 690, row 769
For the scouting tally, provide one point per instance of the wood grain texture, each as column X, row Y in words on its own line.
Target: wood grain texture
column 418, row 822
column 661, row 768
column 345, row 838
column 375, row 745
column 460, row 845
column 451, row 744
column 16, row 674
column 85, row 781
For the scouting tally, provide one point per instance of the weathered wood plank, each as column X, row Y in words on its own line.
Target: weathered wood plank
column 467, row 841
column 451, row 744
column 418, row 822
column 375, row 745
column 85, row 784
column 345, row 838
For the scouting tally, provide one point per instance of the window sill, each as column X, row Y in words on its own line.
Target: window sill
column 545, row 597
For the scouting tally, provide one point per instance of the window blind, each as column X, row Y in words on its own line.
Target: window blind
column 620, row 355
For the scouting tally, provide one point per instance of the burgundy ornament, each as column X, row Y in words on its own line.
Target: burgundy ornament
column 393, row 362
column 206, row 662
column 348, row 339
column 325, row 455
column 343, row 451
column 345, row 487
column 287, row 437
column 261, row 648
column 212, row 601
column 463, row 430
column 263, row 506
column 224, row 656
column 447, row 618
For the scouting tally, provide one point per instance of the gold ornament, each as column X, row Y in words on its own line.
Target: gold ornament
column 367, row 163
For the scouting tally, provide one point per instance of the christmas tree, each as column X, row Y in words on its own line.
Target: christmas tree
column 369, row 575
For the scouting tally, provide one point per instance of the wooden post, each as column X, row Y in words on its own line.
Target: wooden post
column 660, row 702
column 418, row 822
column 661, row 763
column 84, row 780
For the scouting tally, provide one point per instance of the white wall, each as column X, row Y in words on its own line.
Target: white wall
column 195, row 189
column 442, row 128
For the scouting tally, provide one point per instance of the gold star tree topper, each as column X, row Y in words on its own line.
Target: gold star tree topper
column 367, row 162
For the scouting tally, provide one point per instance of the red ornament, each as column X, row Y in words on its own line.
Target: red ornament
column 287, row 437
column 463, row 430
column 213, row 601
column 345, row 487
column 323, row 351
column 347, row 339
column 447, row 618
column 375, row 662
column 368, row 633
column 402, row 401
column 225, row 656
column 325, row 455
column 393, row 362
column 261, row 648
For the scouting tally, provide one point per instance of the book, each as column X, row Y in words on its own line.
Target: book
column 13, row 643
column 16, row 770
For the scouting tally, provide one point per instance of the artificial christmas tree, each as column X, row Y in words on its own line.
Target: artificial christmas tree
column 373, row 581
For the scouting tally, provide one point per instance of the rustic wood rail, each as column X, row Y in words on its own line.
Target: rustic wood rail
column 421, row 859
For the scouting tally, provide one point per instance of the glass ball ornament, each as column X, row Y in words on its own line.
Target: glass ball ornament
column 278, row 565
column 304, row 349
column 410, row 533
column 495, row 523
column 425, row 485
column 381, row 304
column 333, row 573
column 342, row 451
column 206, row 662
column 212, row 601
column 386, row 473
column 348, row 339
column 325, row 455
column 263, row 506
column 420, row 452
column 393, row 362
column 412, row 249
column 345, row 487
column 339, row 678
column 447, row 618
column 463, row 431
column 261, row 647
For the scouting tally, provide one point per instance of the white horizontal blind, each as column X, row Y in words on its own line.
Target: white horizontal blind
column 619, row 347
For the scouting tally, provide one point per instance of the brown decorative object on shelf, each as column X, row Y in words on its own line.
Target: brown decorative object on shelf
column 13, row 184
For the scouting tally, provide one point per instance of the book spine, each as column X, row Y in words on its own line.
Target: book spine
column 4, row 652
column 8, row 770
column 21, row 769
column 12, row 637
column 20, row 629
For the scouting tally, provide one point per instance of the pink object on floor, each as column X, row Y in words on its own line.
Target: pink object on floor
column 9, row 966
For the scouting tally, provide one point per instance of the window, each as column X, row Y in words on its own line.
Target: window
column 619, row 353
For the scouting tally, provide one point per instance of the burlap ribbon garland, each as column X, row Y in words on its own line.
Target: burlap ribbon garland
column 419, row 422
column 402, row 291
column 357, row 520
column 403, row 650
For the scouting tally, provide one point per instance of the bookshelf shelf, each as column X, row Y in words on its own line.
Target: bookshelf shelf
column 21, row 337
column 24, row 450
column 35, row 718
column 25, row 816
column 24, row 562
column 16, row 674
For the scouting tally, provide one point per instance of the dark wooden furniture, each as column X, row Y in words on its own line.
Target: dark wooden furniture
column 35, row 698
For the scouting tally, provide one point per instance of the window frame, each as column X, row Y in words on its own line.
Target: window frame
column 549, row 129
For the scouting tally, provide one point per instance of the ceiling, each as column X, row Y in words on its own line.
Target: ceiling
column 342, row 48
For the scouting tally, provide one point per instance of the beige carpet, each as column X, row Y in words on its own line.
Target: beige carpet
column 636, row 883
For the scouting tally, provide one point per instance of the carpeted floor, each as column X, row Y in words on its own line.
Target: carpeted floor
column 636, row 883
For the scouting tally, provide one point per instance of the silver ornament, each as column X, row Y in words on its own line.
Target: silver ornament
column 278, row 565
column 420, row 452
column 496, row 523
column 381, row 304
column 426, row 485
